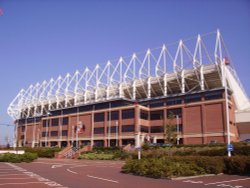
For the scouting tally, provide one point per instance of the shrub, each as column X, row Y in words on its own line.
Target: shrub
column 122, row 155
column 211, row 165
column 237, row 165
column 97, row 156
column 43, row 152
column 242, row 149
column 102, row 153
column 10, row 157
column 206, row 150
column 213, row 152
column 162, row 167
column 106, row 149
column 187, row 166
column 17, row 158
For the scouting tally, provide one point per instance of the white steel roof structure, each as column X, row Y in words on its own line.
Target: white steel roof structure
column 194, row 64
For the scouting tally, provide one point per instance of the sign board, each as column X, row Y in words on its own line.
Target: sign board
column 230, row 147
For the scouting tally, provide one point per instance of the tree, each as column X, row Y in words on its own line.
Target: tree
column 170, row 130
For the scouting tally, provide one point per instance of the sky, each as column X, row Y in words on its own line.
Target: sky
column 40, row 39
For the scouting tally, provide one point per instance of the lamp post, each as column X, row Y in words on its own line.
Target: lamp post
column 34, row 132
column 72, row 135
column 109, row 130
column 7, row 136
column 47, row 129
column 116, row 133
column 227, row 108
column 178, row 129
column 25, row 133
column 60, row 130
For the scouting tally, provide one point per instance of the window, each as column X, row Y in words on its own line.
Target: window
column 30, row 120
column 64, row 133
column 101, row 106
column 192, row 98
column 99, row 117
column 144, row 104
column 156, row 115
column 114, row 115
column 23, row 128
column 54, row 133
column 20, row 121
column 65, row 121
column 128, row 128
column 113, row 129
column 174, row 101
column 180, row 127
column 212, row 96
column 120, row 103
column 144, row 129
column 53, row 144
column 144, row 115
column 174, row 112
column 128, row 114
column 156, row 104
column 99, row 130
column 45, row 123
column 37, row 119
column 43, row 134
column 85, row 108
column 55, row 122
column 69, row 111
column 98, row 143
column 157, row 129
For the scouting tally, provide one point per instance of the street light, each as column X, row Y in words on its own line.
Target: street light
column 109, row 128
column 7, row 137
column 116, row 133
column 178, row 129
column 47, row 128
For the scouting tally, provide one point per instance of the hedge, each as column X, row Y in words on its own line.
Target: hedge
column 106, row 149
column 166, row 167
column 17, row 158
column 100, row 153
column 239, row 150
column 97, row 156
column 237, row 165
column 43, row 152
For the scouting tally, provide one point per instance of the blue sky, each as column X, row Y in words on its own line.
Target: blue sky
column 43, row 39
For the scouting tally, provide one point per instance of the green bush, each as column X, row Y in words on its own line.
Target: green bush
column 165, row 167
column 211, row 165
column 241, row 150
column 29, row 157
column 17, row 158
column 161, row 167
column 97, row 156
column 213, row 152
column 101, row 153
column 237, row 165
column 106, row 149
column 122, row 155
column 43, row 152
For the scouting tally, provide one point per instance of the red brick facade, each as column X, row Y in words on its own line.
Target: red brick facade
column 200, row 122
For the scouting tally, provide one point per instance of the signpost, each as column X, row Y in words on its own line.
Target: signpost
column 230, row 147
column 139, row 153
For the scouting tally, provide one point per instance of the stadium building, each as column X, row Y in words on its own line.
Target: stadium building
column 190, row 84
